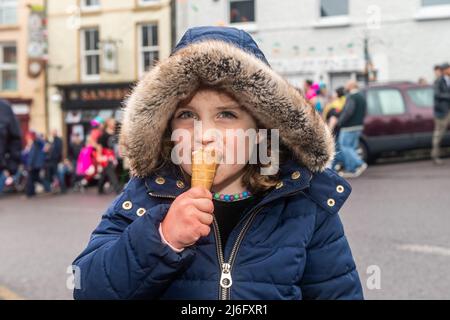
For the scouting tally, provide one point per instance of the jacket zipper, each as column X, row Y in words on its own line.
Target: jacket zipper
column 226, row 281
column 161, row 195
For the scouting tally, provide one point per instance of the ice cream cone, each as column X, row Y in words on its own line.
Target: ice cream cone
column 204, row 166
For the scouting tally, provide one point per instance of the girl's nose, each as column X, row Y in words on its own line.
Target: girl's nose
column 209, row 136
column 206, row 142
column 205, row 134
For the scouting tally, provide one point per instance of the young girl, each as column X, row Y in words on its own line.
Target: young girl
column 254, row 236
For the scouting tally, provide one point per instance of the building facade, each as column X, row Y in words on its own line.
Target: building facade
column 22, row 55
column 97, row 51
column 334, row 40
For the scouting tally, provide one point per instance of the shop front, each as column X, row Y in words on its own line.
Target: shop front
column 81, row 103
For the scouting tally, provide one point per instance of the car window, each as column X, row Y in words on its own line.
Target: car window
column 421, row 97
column 385, row 102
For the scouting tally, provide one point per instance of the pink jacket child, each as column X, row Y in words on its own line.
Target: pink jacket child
column 85, row 162
column 312, row 91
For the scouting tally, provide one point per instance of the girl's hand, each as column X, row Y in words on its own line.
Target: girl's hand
column 189, row 218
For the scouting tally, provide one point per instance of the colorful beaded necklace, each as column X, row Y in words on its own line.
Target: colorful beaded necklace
column 231, row 197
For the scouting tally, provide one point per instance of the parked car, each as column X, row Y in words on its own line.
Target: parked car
column 399, row 118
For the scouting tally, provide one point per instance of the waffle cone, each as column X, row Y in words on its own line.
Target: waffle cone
column 204, row 166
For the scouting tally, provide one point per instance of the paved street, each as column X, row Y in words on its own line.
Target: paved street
column 397, row 218
column 40, row 238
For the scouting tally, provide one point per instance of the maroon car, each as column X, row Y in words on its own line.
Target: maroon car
column 399, row 118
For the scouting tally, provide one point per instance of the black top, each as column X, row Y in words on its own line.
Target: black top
column 354, row 111
column 56, row 151
column 74, row 151
column 228, row 214
column 10, row 138
column 106, row 140
column 441, row 98
column 333, row 113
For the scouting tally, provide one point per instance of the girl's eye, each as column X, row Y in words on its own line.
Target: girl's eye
column 186, row 115
column 227, row 115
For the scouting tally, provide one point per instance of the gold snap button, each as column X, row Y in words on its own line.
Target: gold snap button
column 340, row 189
column 295, row 175
column 180, row 184
column 140, row 212
column 127, row 205
column 279, row 185
column 160, row 180
column 331, row 202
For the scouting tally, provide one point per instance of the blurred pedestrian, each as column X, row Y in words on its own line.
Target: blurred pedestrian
column 54, row 158
column 331, row 115
column 441, row 111
column 437, row 72
column 351, row 124
column 332, row 110
column 66, row 174
column 35, row 163
column 10, row 143
column 107, row 158
column 75, row 146
column 310, row 92
column 86, row 167
column 422, row 81
column 97, row 124
column 321, row 98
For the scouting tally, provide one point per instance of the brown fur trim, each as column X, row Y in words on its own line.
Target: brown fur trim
column 266, row 95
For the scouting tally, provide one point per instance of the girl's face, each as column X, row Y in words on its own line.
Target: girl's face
column 220, row 116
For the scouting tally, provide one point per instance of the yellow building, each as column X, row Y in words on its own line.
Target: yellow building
column 97, row 50
column 22, row 55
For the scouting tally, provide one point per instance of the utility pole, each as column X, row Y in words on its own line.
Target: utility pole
column 366, row 61
column 173, row 24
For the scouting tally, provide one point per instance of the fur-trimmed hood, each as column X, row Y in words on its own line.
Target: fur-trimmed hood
column 229, row 59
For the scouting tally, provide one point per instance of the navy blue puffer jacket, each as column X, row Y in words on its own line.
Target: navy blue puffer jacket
column 290, row 246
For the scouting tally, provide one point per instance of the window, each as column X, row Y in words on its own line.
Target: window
column 148, row 2
column 422, row 97
column 385, row 102
column 426, row 3
column 90, row 54
column 242, row 11
column 433, row 10
column 8, row 67
column 8, row 11
column 91, row 3
column 148, row 47
column 331, row 8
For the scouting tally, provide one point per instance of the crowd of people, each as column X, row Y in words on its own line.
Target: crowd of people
column 96, row 161
column 344, row 113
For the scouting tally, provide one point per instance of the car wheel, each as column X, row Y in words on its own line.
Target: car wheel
column 363, row 152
